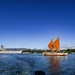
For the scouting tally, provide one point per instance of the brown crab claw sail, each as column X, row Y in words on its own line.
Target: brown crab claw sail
column 50, row 45
column 55, row 45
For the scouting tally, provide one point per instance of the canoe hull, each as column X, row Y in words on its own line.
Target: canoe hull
column 54, row 54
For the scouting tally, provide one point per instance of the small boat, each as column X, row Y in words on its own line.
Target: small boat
column 54, row 44
column 54, row 54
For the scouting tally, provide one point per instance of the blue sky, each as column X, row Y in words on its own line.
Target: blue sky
column 33, row 23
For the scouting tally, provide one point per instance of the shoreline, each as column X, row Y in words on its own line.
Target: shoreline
column 10, row 51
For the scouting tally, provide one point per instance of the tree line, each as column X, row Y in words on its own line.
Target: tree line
column 41, row 51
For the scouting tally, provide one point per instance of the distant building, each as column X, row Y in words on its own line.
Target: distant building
column 2, row 47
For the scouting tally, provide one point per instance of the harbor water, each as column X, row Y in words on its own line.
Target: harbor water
column 27, row 64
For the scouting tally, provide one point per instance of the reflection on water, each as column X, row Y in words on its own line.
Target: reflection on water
column 28, row 64
column 55, row 67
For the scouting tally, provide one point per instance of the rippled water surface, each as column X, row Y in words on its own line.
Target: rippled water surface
column 27, row 64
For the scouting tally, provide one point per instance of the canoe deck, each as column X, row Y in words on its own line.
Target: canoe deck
column 54, row 54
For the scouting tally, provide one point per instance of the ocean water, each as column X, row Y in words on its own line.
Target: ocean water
column 27, row 64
